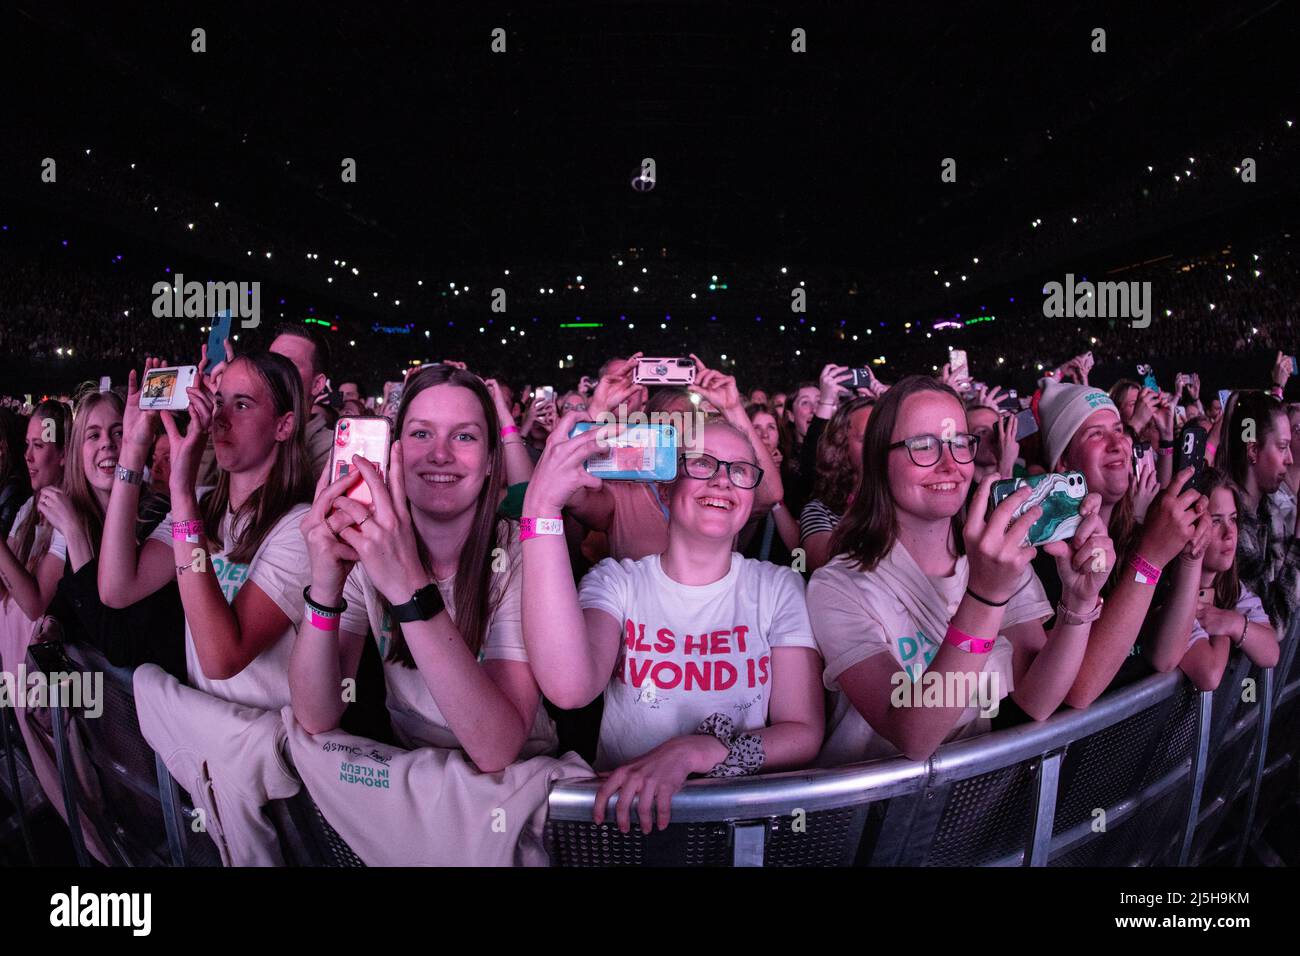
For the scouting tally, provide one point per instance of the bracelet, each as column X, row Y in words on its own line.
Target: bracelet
column 965, row 642
column 322, row 609
column 1147, row 573
column 534, row 527
column 1245, row 626
column 1071, row 618
column 744, row 751
column 984, row 600
column 509, row 430
column 1210, row 448
column 182, row 568
column 1162, row 450
column 322, row 622
column 128, row 476
column 190, row 530
column 1167, row 443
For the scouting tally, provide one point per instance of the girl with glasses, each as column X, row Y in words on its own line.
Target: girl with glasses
column 926, row 619
column 706, row 659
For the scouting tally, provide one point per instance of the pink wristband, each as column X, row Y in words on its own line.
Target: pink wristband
column 187, row 530
column 1210, row 448
column 964, row 642
column 1147, row 573
column 323, row 622
column 533, row 527
column 510, row 430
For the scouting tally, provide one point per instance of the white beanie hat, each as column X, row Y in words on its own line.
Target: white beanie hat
column 1062, row 408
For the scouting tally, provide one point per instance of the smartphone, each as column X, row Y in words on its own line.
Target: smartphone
column 1059, row 495
column 546, row 393
column 664, row 371
column 165, row 387
column 1295, row 365
column 641, row 453
column 1011, row 403
column 1224, row 395
column 957, row 363
column 1189, row 452
column 1148, row 377
column 1026, row 424
column 105, row 383
column 856, row 378
column 1141, row 449
column 217, row 336
column 368, row 436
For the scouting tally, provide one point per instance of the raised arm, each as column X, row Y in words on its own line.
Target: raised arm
column 321, row 660
column 572, row 651
column 1083, row 564
column 519, row 466
column 491, row 708
column 128, row 571
column 1170, row 525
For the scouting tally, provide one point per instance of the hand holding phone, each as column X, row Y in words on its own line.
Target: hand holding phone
column 218, row 342
column 164, row 388
column 640, row 453
column 1058, row 495
column 1190, row 453
column 367, row 436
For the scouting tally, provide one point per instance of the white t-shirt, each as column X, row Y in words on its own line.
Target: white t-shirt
column 896, row 609
column 417, row 721
column 58, row 546
column 280, row 568
column 688, row 651
column 1247, row 604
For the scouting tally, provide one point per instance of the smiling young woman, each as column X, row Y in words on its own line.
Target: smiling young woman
column 705, row 658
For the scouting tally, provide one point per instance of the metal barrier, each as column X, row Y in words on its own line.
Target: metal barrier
column 1123, row 782
column 1146, row 775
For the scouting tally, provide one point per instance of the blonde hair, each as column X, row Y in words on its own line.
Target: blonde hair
column 30, row 541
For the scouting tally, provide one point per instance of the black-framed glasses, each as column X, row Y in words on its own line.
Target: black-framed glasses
column 742, row 474
column 926, row 450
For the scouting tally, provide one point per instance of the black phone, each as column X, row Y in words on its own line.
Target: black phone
column 856, row 378
column 1189, row 452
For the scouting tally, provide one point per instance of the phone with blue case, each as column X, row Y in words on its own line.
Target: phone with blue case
column 641, row 453
column 217, row 336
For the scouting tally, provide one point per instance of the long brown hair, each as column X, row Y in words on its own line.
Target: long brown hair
column 75, row 483
column 836, row 477
column 869, row 529
column 474, row 596
column 290, row 480
column 31, row 546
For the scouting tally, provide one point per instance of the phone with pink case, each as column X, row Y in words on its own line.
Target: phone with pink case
column 368, row 436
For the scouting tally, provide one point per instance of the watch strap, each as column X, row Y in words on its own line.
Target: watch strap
column 425, row 604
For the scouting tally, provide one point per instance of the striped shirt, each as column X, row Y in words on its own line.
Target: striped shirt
column 816, row 518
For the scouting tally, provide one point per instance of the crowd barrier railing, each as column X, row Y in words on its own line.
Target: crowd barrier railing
column 1147, row 775
column 1156, row 773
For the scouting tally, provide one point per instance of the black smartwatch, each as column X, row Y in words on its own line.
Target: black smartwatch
column 424, row 605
